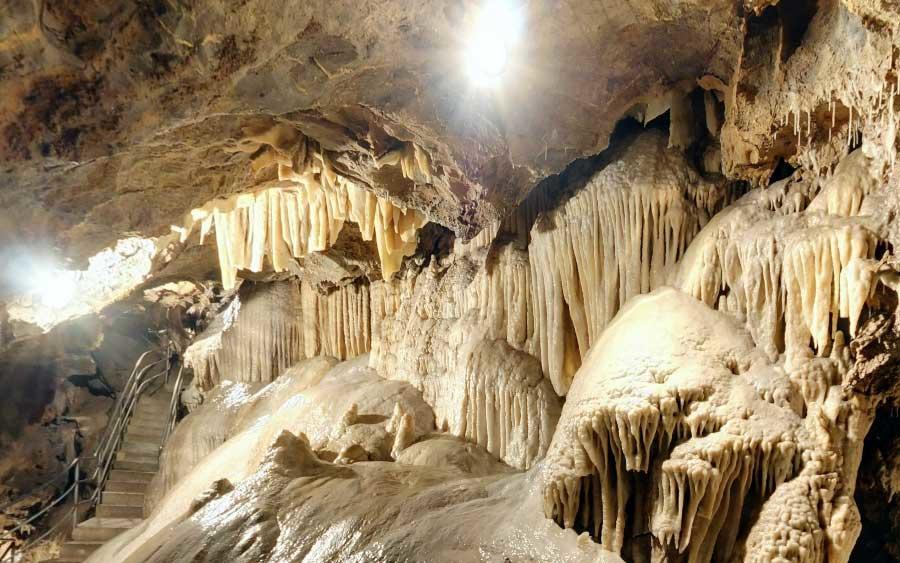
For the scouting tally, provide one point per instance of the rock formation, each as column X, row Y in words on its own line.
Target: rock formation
column 631, row 293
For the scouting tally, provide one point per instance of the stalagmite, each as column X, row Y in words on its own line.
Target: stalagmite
column 674, row 405
column 404, row 435
column 788, row 527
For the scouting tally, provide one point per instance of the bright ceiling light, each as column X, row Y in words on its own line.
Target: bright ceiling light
column 491, row 41
column 54, row 288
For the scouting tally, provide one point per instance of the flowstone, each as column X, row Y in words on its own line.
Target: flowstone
column 677, row 428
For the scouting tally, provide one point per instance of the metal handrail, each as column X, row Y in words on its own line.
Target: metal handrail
column 126, row 393
column 172, row 415
column 117, row 425
column 101, row 476
column 104, row 453
column 43, row 485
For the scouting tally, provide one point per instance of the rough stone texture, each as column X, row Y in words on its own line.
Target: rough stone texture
column 57, row 391
column 116, row 116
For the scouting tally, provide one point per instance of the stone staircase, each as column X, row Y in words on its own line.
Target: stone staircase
column 122, row 500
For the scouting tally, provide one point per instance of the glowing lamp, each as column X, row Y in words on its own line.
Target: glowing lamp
column 491, row 42
column 54, row 288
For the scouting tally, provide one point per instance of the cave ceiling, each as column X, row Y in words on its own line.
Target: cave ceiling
column 117, row 117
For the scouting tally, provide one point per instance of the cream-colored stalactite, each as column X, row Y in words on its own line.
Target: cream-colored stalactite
column 790, row 273
column 305, row 210
column 618, row 237
column 413, row 161
column 498, row 398
column 500, row 298
column 269, row 327
column 844, row 191
column 667, row 430
column 254, row 340
column 453, row 334
column 338, row 323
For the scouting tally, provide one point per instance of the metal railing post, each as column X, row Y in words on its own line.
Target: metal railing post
column 76, row 495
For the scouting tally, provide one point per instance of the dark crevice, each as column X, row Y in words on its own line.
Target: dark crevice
column 795, row 18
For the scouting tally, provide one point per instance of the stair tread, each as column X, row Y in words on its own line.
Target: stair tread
column 115, row 523
column 137, row 456
column 138, row 444
column 132, row 473
column 150, row 437
column 119, row 511
column 85, row 543
column 131, row 476
column 136, row 466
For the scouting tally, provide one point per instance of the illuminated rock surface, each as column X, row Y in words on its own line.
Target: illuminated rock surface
column 579, row 281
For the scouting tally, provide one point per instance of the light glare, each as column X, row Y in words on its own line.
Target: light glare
column 491, row 41
column 54, row 288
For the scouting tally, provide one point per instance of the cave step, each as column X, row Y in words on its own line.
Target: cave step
column 151, row 411
column 138, row 457
column 149, row 416
column 146, row 430
column 119, row 511
column 103, row 529
column 144, row 434
column 122, row 499
column 126, row 487
column 139, row 447
column 148, row 421
column 78, row 550
column 128, row 465
column 131, row 476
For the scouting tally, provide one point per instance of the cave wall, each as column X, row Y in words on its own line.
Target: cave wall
column 653, row 280
column 60, row 386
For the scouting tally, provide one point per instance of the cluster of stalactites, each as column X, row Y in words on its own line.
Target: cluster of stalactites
column 253, row 340
column 269, row 327
column 615, row 239
column 674, row 428
column 791, row 274
column 453, row 337
column 414, row 162
column 498, row 398
column 305, row 210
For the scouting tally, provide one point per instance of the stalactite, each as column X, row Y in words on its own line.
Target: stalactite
column 304, row 211
column 791, row 274
column 615, row 239
column 413, row 160
column 499, row 398
column 667, row 408
column 451, row 334
column 269, row 327
column 253, row 340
